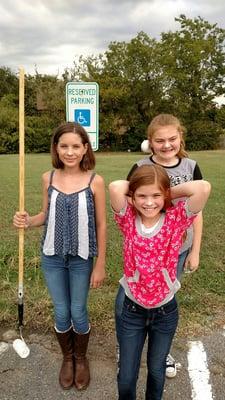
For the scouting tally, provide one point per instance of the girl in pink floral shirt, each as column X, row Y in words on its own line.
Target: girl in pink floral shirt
column 153, row 230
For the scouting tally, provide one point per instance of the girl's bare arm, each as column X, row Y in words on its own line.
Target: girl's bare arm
column 98, row 274
column 192, row 260
column 118, row 191
column 196, row 191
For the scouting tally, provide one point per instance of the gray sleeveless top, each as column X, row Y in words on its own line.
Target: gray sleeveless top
column 70, row 227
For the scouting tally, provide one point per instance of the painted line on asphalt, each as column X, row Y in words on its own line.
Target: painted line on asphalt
column 224, row 330
column 199, row 372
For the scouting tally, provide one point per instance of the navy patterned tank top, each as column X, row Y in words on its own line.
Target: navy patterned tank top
column 70, row 227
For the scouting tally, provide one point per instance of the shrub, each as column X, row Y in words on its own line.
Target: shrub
column 203, row 135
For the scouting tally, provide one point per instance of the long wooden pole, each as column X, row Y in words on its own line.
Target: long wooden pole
column 21, row 191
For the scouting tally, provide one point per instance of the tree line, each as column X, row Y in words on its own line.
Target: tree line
column 181, row 73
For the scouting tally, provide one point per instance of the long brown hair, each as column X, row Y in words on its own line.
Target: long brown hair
column 150, row 175
column 164, row 120
column 88, row 161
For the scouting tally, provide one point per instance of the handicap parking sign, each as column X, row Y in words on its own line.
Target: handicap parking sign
column 83, row 117
column 82, row 107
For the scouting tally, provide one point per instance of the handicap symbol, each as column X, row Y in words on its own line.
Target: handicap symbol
column 81, row 120
column 82, row 117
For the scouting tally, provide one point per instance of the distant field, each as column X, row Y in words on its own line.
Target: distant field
column 202, row 299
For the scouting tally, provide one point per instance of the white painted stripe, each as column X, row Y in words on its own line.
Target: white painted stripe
column 48, row 247
column 198, row 372
column 83, row 237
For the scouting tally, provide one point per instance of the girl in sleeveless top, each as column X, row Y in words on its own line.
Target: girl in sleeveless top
column 74, row 218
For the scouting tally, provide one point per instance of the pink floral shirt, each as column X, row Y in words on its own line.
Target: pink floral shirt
column 150, row 260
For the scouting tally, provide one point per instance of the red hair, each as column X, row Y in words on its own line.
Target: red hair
column 150, row 175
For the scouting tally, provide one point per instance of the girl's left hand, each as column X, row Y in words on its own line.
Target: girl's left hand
column 97, row 277
column 192, row 262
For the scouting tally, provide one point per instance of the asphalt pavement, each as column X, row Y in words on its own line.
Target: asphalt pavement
column 36, row 377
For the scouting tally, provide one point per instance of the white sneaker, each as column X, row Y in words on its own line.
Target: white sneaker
column 171, row 369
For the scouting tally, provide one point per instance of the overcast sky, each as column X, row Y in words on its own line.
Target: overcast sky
column 50, row 34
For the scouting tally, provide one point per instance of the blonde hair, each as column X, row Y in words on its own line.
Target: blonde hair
column 164, row 120
column 150, row 175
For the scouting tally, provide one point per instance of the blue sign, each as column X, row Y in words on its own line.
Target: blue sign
column 83, row 117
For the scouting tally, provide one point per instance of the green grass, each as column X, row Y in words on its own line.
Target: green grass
column 202, row 300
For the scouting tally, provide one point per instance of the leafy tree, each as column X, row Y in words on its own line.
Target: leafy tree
column 181, row 74
column 193, row 66
column 8, row 124
column 38, row 133
column 220, row 116
column 127, row 76
column 203, row 135
column 9, row 82
column 51, row 94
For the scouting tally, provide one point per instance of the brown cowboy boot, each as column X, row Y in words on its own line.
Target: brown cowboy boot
column 66, row 374
column 82, row 372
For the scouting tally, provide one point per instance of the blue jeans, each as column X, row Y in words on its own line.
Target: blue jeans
column 68, row 281
column 135, row 324
column 180, row 264
column 119, row 308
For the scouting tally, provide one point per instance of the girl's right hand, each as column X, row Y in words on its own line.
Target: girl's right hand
column 21, row 220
